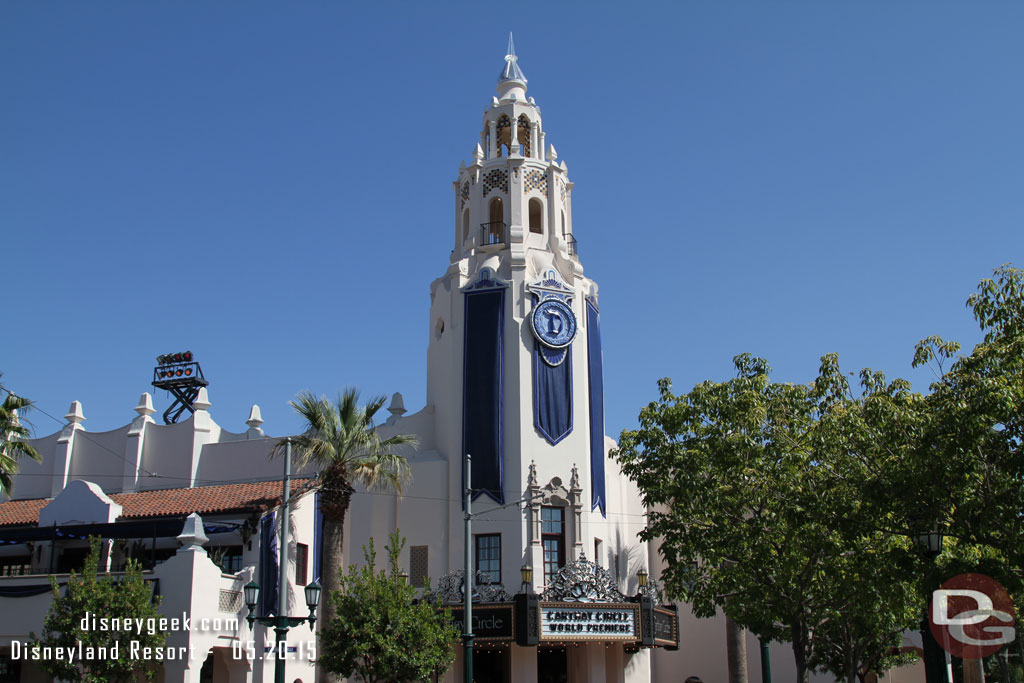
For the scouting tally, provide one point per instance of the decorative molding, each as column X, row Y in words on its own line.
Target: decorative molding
column 583, row 581
column 450, row 589
column 486, row 279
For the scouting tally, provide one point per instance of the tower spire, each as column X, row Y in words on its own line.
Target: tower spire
column 511, row 71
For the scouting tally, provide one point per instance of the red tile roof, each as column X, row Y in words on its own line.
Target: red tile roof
column 171, row 502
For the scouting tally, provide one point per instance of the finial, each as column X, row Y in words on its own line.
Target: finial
column 397, row 407
column 531, row 478
column 512, row 72
column 145, row 407
column 255, row 417
column 202, row 401
column 478, row 152
column 574, row 480
column 75, row 415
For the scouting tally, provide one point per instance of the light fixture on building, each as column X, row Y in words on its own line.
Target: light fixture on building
column 526, row 572
column 252, row 596
column 403, row 576
column 312, row 599
column 641, row 578
column 930, row 542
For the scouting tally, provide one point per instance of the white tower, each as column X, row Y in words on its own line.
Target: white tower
column 514, row 361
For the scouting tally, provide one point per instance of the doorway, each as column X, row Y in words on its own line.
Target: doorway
column 552, row 666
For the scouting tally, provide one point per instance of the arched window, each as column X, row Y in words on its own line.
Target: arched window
column 523, row 135
column 536, row 216
column 504, row 133
column 465, row 225
column 495, row 227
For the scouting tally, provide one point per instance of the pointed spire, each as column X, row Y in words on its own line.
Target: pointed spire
column 511, row 72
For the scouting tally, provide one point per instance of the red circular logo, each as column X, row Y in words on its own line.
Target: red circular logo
column 971, row 616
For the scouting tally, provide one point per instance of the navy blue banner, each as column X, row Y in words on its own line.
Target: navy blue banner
column 483, row 358
column 552, row 394
column 595, row 364
column 318, row 539
column 268, row 565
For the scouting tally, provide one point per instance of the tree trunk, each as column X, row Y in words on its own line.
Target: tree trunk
column 736, row 646
column 974, row 672
column 330, row 580
column 799, row 639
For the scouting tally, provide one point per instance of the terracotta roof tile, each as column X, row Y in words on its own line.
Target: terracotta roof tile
column 170, row 502
column 21, row 511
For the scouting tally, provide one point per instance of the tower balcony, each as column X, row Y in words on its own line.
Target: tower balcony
column 494, row 232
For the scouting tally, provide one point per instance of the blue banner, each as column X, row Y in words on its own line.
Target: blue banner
column 595, row 364
column 268, row 565
column 482, row 401
column 552, row 394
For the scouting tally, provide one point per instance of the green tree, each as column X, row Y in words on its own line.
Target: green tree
column 341, row 442
column 968, row 470
column 13, row 433
column 755, row 493
column 381, row 632
column 105, row 597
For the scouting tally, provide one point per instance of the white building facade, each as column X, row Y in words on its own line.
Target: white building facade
column 515, row 379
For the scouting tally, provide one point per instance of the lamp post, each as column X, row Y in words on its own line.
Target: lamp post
column 929, row 544
column 641, row 579
column 526, row 573
column 282, row 623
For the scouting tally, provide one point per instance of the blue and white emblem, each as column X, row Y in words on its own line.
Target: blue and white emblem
column 553, row 323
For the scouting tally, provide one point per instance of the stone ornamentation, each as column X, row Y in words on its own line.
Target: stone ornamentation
column 450, row 589
column 583, row 581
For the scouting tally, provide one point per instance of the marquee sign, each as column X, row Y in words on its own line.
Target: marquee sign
column 575, row 622
column 490, row 622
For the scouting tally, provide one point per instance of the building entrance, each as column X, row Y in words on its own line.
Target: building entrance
column 552, row 666
column 492, row 667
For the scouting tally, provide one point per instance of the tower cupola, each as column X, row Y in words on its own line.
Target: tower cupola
column 511, row 82
column 515, row 198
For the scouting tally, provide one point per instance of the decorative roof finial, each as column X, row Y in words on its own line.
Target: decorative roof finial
column 511, row 72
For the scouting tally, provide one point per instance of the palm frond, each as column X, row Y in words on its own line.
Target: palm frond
column 340, row 440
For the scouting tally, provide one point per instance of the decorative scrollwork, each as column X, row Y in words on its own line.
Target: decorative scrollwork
column 653, row 591
column 450, row 589
column 583, row 581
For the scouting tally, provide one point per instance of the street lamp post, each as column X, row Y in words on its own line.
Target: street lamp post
column 282, row 623
column 935, row 670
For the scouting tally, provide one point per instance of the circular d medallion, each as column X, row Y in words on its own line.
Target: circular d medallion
column 553, row 323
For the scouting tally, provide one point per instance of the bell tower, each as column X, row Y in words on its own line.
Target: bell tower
column 514, row 360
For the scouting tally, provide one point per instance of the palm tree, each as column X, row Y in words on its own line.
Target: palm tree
column 12, row 435
column 341, row 442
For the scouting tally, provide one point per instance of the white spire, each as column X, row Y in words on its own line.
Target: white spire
column 511, row 72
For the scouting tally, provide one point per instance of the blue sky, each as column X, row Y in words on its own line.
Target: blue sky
column 269, row 185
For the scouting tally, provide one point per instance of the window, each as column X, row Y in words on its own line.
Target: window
column 465, row 225
column 16, row 566
column 418, row 563
column 488, row 556
column 536, row 216
column 598, row 551
column 494, row 232
column 504, row 133
column 301, row 564
column 523, row 136
column 552, row 534
column 227, row 557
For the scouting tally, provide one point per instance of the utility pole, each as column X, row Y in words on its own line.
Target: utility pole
column 467, row 583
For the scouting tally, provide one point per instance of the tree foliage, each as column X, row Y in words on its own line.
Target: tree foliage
column 13, row 432
column 792, row 507
column 341, row 441
column 103, row 597
column 755, row 494
column 381, row 633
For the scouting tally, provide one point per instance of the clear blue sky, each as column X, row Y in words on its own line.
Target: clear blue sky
column 269, row 185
